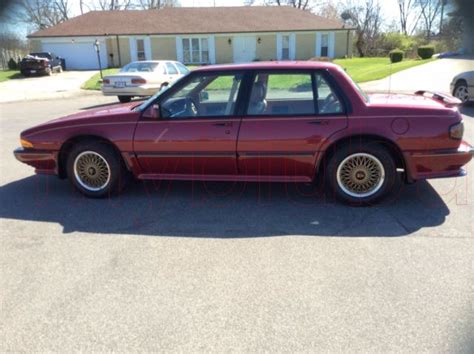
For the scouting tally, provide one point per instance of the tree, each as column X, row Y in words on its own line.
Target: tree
column 109, row 5
column 430, row 10
column 409, row 15
column 299, row 4
column 43, row 13
column 156, row 4
column 366, row 18
column 329, row 10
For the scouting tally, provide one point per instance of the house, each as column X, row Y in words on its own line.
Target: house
column 199, row 35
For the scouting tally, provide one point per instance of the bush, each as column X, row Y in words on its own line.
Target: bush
column 12, row 65
column 396, row 55
column 425, row 51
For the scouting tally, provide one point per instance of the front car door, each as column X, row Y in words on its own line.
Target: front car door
column 195, row 135
column 289, row 115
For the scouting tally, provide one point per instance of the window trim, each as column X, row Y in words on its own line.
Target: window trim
column 189, row 39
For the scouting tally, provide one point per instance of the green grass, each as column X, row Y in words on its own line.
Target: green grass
column 94, row 82
column 369, row 69
column 9, row 74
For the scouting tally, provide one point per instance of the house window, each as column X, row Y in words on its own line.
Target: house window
column 325, row 45
column 195, row 50
column 285, row 47
column 141, row 49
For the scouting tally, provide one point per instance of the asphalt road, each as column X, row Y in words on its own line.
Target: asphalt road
column 217, row 267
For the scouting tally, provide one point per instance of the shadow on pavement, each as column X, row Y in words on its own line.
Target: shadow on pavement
column 467, row 110
column 219, row 210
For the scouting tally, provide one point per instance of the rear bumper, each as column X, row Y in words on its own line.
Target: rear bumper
column 439, row 163
column 130, row 91
column 44, row 162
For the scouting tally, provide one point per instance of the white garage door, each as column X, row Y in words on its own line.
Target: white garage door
column 78, row 55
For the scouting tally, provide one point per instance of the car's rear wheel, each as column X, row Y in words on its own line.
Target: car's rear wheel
column 124, row 99
column 95, row 169
column 361, row 174
column 461, row 91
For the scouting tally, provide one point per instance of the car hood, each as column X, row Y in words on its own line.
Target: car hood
column 108, row 112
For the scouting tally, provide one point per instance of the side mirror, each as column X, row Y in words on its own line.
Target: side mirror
column 153, row 112
column 203, row 96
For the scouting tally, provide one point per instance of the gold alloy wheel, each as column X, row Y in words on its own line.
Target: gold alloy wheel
column 91, row 171
column 360, row 175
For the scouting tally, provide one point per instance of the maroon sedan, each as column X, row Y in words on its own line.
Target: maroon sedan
column 275, row 122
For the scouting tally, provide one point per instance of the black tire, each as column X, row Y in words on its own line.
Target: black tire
column 375, row 153
column 124, row 99
column 461, row 85
column 119, row 175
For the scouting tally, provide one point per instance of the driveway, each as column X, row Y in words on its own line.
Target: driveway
column 66, row 84
column 434, row 76
column 186, row 267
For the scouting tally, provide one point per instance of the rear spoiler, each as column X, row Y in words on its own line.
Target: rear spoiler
column 447, row 100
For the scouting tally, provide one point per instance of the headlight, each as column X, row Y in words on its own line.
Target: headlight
column 26, row 144
column 456, row 131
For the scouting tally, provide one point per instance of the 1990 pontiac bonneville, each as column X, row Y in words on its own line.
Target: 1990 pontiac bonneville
column 276, row 122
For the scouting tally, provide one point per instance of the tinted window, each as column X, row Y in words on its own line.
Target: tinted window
column 203, row 96
column 171, row 69
column 139, row 67
column 282, row 94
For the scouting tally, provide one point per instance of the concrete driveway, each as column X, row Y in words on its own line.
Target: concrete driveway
column 65, row 84
column 434, row 76
column 186, row 267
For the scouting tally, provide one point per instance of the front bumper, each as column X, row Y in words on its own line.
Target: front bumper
column 440, row 163
column 44, row 162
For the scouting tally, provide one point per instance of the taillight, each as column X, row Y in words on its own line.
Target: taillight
column 106, row 81
column 138, row 81
column 456, row 131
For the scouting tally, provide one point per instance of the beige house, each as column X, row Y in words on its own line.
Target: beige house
column 198, row 35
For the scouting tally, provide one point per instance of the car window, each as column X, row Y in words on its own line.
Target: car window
column 161, row 69
column 282, row 94
column 203, row 96
column 181, row 68
column 139, row 67
column 328, row 101
column 171, row 69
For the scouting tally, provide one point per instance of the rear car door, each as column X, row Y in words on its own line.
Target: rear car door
column 195, row 134
column 289, row 115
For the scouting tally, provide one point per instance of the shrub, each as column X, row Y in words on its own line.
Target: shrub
column 12, row 65
column 425, row 51
column 396, row 55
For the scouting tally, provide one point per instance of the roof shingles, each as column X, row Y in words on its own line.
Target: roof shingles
column 190, row 20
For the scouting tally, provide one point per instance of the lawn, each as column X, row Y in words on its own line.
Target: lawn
column 9, row 74
column 368, row 69
column 94, row 82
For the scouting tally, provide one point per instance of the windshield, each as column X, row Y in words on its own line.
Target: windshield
column 139, row 67
column 41, row 55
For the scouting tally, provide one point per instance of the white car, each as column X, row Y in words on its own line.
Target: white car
column 142, row 78
column 462, row 86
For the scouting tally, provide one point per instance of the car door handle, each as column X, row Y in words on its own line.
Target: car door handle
column 319, row 122
column 223, row 124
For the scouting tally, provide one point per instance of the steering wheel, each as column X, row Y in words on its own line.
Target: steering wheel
column 189, row 109
column 331, row 104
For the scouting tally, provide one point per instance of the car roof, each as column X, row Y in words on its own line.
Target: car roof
column 271, row 65
column 152, row 61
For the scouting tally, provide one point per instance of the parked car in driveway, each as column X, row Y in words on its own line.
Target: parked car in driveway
column 43, row 63
column 142, row 78
column 462, row 86
column 267, row 121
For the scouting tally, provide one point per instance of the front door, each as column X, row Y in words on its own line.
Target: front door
column 195, row 135
column 245, row 49
column 289, row 116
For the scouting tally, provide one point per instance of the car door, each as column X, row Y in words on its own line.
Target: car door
column 172, row 71
column 289, row 115
column 195, row 134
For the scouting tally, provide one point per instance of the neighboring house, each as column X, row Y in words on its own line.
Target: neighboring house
column 194, row 36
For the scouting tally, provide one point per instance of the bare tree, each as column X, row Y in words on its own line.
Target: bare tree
column 156, row 4
column 109, row 5
column 329, row 10
column 299, row 4
column 430, row 10
column 43, row 13
column 409, row 16
column 366, row 18
column 11, row 47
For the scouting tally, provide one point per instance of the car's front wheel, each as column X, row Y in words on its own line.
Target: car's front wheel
column 124, row 99
column 461, row 91
column 361, row 174
column 95, row 169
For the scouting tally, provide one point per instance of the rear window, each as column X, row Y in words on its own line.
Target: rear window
column 139, row 67
column 41, row 55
